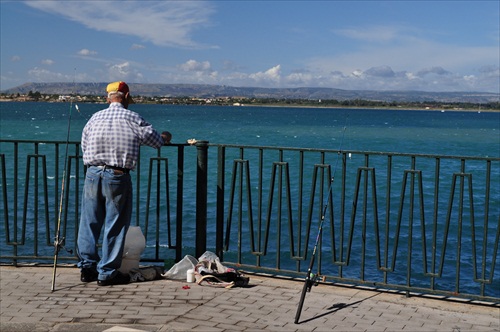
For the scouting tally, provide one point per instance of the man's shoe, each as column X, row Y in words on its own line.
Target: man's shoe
column 88, row 275
column 119, row 279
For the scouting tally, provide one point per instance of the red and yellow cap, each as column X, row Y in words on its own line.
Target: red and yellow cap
column 121, row 87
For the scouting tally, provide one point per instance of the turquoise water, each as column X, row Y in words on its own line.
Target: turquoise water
column 428, row 132
column 423, row 132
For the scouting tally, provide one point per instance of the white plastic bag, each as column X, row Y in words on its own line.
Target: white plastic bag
column 210, row 263
column 211, row 271
column 179, row 270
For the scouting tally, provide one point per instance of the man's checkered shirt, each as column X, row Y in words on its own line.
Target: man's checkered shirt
column 113, row 136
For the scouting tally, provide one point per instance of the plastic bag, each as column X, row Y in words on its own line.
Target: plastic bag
column 210, row 263
column 228, row 279
column 145, row 274
column 179, row 270
column 210, row 270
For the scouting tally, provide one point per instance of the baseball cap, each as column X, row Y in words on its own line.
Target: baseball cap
column 120, row 86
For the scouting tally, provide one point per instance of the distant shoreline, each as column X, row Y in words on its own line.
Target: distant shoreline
column 381, row 108
column 393, row 108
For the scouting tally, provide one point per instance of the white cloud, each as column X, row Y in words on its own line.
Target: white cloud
column 488, row 76
column 15, row 58
column 48, row 62
column 86, row 52
column 470, row 78
column 490, row 71
column 137, row 47
column 124, row 71
column 398, row 58
column 300, row 78
column 403, row 49
column 119, row 70
column 433, row 70
column 271, row 75
column 371, row 33
column 411, row 76
column 195, row 66
column 44, row 75
column 374, row 78
column 377, row 56
column 357, row 73
column 381, row 71
column 229, row 65
column 165, row 23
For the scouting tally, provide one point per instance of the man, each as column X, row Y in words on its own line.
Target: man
column 110, row 144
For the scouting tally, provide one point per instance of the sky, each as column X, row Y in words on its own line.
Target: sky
column 421, row 45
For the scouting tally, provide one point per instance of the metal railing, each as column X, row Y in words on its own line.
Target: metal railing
column 30, row 199
column 412, row 222
column 420, row 223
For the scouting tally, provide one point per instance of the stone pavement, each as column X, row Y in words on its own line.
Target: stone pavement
column 268, row 304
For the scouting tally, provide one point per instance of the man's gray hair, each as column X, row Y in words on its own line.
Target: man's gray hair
column 114, row 93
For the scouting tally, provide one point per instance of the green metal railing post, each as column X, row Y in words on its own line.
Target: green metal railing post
column 201, row 197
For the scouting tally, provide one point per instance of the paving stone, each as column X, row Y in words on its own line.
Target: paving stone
column 270, row 304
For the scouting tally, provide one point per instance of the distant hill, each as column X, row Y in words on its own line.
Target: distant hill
column 212, row 91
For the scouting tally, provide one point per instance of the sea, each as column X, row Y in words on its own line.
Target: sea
column 472, row 133
column 464, row 133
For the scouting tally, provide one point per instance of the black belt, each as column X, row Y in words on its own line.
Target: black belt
column 115, row 168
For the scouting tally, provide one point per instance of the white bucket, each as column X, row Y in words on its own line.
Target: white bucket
column 135, row 243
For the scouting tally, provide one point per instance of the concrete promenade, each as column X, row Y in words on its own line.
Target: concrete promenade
column 268, row 304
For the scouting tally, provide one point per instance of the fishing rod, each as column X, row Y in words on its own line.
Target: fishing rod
column 311, row 278
column 59, row 240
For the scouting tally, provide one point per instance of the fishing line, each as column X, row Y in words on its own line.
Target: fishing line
column 344, row 129
column 59, row 241
column 330, row 189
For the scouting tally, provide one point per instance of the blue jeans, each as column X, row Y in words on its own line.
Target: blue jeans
column 106, row 202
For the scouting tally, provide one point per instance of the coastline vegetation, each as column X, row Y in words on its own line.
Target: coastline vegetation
column 276, row 102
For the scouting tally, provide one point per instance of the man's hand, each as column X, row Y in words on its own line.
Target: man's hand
column 167, row 137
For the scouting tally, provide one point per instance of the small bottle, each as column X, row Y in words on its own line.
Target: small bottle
column 190, row 275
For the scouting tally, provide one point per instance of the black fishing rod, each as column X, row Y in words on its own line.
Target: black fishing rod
column 59, row 240
column 311, row 278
